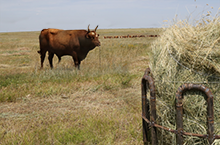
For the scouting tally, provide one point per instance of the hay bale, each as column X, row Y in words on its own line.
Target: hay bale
column 187, row 54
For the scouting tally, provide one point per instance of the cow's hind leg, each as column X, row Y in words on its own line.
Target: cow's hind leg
column 42, row 56
column 59, row 57
column 50, row 58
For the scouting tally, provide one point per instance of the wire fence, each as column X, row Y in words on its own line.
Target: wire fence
column 129, row 36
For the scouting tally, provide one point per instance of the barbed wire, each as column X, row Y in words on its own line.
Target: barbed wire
column 205, row 82
column 129, row 36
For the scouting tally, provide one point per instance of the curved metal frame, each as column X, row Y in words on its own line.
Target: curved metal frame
column 179, row 111
column 149, row 112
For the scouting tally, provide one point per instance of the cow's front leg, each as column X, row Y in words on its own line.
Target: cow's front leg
column 79, row 64
column 76, row 60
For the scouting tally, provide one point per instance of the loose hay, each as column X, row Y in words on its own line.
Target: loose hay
column 187, row 54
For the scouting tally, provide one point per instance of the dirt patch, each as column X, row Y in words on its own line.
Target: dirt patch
column 22, row 48
column 16, row 51
column 15, row 54
column 90, row 101
column 4, row 66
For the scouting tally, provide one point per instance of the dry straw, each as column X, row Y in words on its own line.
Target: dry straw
column 187, row 53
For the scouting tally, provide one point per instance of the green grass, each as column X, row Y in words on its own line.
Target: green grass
column 77, row 129
column 100, row 104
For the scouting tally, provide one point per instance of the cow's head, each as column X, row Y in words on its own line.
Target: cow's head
column 93, row 36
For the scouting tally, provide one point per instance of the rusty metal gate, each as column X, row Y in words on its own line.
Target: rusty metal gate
column 149, row 112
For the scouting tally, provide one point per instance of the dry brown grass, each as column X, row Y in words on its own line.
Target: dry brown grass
column 100, row 104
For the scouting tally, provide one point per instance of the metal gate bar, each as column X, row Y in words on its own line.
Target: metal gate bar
column 149, row 113
column 148, row 82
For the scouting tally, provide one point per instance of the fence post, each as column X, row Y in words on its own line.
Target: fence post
column 145, row 113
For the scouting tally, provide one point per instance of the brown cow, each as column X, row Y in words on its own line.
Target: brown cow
column 76, row 43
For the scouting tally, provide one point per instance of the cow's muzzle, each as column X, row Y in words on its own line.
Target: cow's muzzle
column 99, row 44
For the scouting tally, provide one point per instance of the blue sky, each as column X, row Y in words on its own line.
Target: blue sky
column 35, row 15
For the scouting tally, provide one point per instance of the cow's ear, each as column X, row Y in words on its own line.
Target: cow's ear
column 87, row 35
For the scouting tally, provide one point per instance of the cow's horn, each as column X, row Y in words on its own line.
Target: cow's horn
column 96, row 27
column 88, row 28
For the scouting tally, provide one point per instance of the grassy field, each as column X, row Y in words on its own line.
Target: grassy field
column 100, row 104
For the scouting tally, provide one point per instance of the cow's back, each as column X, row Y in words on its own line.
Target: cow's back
column 46, row 38
column 46, row 34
